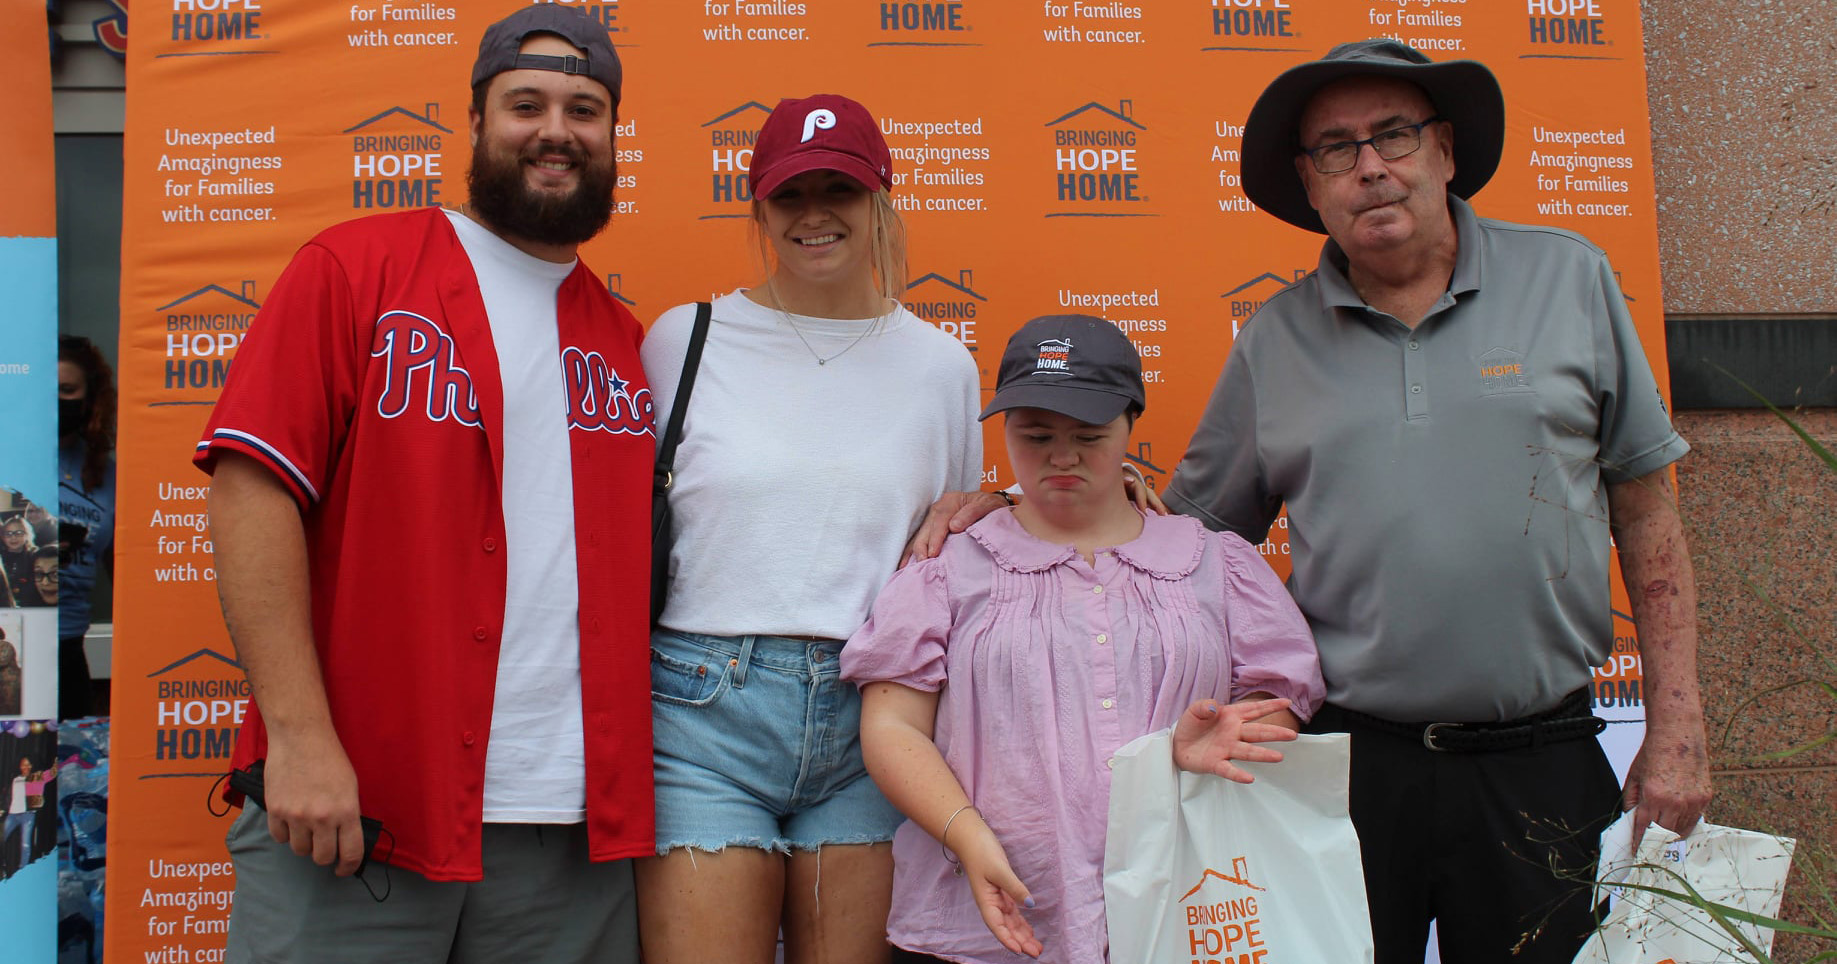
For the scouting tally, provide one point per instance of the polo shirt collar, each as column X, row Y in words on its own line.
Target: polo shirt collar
column 1169, row 547
column 1336, row 289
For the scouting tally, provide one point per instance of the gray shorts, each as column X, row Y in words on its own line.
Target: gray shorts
column 541, row 900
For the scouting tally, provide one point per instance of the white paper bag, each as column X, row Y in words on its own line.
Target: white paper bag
column 1739, row 868
column 1201, row 870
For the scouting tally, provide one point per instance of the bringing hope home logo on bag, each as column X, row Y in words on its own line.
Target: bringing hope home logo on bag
column 1227, row 930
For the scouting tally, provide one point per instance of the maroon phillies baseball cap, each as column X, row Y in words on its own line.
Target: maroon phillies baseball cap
column 822, row 132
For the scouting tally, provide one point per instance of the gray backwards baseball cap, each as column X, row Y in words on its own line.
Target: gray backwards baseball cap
column 1464, row 93
column 498, row 49
column 1075, row 365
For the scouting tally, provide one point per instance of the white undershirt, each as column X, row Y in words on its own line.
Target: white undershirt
column 535, row 764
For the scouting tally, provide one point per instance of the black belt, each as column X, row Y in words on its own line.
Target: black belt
column 1569, row 720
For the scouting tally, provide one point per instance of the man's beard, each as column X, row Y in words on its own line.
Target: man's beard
column 504, row 201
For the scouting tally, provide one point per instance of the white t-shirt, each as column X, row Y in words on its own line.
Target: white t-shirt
column 798, row 484
column 18, row 803
column 535, row 771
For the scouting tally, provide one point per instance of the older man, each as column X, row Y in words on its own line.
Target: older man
column 430, row 510
column 1456, row 412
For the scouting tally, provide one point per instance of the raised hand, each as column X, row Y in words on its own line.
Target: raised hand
column 1208, row 737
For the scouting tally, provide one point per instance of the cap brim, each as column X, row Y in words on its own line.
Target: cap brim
column 1089, row 406
column 857, row 170
column 1465, row 93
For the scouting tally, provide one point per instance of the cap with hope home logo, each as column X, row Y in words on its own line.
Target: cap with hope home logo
column 1076, row 365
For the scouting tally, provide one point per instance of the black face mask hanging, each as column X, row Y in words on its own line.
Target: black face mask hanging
column 72, row 415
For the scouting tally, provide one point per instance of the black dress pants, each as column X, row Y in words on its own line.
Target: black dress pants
column 1498, row 848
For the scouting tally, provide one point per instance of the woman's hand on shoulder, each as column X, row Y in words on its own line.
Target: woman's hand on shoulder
column 1208, row 737
column 953, row 512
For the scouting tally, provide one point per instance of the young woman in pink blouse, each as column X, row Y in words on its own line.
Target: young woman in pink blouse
column 999, row 678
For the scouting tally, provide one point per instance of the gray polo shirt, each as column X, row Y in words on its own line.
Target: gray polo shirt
column 1445, row 485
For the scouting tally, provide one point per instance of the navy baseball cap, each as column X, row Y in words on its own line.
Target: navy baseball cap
column 1075, row 365
column 499, row 48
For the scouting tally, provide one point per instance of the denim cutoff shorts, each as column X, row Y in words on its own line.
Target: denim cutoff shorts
column 758, row 744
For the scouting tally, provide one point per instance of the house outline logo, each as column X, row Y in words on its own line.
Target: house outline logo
column 1503, row 371
column 199, row 343
column 1239, row 875
column 1245, row 302
column 1096, row 164
column 398, row 168
column 194, row 656
column 950, row 305
column 730, row 138
column 429, row 118
column 615, row 284
column 247, row 296
column 178, row 740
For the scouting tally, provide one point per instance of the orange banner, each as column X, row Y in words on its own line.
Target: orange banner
column 1050, row 157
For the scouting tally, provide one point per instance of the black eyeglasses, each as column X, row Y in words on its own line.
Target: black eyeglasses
column 50, row 576
column 1390, row 145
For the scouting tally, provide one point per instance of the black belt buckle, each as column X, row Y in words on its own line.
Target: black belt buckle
column 1428, row 736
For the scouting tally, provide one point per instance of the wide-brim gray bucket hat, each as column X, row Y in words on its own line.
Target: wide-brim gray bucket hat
column 1465, row 93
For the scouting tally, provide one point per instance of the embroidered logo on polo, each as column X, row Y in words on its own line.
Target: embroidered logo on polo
column 599, row 400
column 1055, row 357
column 1503, row 372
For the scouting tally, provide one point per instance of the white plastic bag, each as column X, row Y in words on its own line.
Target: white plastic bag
column 1201, row 870
column 1739, row 868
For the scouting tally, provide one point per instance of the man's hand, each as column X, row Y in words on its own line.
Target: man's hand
column 1207, row 737
column 260, row 542
column 957, row 511
column 999, row 894
column 1668, row 783
column 311, row 795
column 953, row 512
column 1137, row 489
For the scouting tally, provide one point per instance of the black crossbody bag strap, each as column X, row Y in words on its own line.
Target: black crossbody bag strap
column 662, row 474
column 672, row 433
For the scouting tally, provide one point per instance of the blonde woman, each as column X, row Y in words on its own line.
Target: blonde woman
column 824, row 420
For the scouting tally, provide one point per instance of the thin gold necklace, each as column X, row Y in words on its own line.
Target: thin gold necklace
column 779, row 305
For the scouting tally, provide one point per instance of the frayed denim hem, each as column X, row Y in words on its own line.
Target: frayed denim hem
column 777, row 845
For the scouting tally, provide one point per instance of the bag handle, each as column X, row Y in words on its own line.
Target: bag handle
column 663, row 476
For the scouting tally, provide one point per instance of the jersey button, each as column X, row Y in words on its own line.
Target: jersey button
column 491, row 545
column 467, row 738
column 480, row 634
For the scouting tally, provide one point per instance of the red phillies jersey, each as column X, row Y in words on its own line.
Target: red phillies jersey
column 369, row 385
